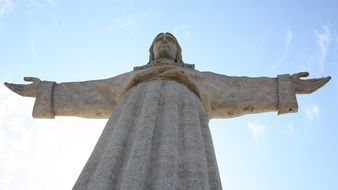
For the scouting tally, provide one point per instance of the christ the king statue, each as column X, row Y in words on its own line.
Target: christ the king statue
column 157, row 135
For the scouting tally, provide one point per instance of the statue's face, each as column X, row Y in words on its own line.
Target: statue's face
column 165, row 47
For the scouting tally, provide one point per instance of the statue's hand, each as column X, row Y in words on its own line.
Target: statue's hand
column 30, row 90
column 309, row 85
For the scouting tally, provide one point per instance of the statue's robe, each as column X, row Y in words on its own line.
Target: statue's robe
column 157, row 135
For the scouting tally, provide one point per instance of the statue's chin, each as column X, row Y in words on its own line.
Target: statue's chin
column 165, row 54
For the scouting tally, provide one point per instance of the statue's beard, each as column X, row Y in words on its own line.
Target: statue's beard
column 164, row 51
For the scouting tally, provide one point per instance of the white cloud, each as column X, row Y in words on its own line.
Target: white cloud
column 125, row 23
column 288, row 40
column 42, row 3
column 38, row 4
column 290, row 128
column 256, row 129
column 132, row 21
column 42, row 154
column 323, row 39
column 312, row 112
column 181, row 30
column 5, row 7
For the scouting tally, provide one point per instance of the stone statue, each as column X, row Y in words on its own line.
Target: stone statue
column 157, row 135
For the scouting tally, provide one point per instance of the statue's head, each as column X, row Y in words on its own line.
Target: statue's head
column 165, row 45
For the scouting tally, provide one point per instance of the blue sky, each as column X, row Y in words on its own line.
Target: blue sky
column 76, row 40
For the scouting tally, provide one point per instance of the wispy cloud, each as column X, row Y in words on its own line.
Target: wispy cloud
column 323, row 39
column 181, row 30
column 38, row 4
column 5, row 7
column 41, row 3
column 125, row 23
column 312, row 112
column 290, row 128
column 132, row 21
column 256, row 129
column 288, row 40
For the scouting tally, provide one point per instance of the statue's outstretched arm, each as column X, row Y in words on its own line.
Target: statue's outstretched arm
column 29, row 90
column 90, row 99
column 235, row 96
column 309, row 85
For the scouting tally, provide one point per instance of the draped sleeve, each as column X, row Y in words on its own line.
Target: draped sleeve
column 229, row 96
column 89, row 99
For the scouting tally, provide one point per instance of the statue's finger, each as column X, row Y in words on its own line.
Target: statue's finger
column 296, row 77
column 8, row 85
column 17, row 88
column 28, row 79
column 31, row 79
column 319, row 80
column 11, row 86
column 303, row 74
column 323, row 81
column 319, row 83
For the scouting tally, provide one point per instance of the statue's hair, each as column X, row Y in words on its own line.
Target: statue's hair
column 178, row 58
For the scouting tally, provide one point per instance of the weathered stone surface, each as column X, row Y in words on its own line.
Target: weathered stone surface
column 157, row 138
column 221, row 96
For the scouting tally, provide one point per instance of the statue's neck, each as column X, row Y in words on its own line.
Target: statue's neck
column 164, row 61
